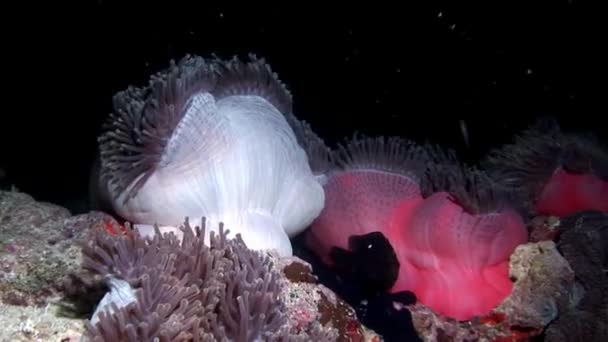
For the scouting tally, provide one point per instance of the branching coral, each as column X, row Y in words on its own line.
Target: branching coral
column 186, row 290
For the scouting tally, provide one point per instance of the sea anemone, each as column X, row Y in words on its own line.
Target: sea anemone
column 451, row 228
column 213, row 137
column 367, row 180
column 454, row 246
column 556, row 173
column 183, row 290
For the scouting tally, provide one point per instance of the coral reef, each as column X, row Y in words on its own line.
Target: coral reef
column 55, row 307
column 451, row 229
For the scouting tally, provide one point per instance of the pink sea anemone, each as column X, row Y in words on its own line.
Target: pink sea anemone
column 372, row 179
column 451, row 230
column 556, row 173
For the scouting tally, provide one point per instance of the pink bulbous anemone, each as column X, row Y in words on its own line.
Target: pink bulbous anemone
column 455, row 262
column 566, row 193
column 370, row 178
column 454, row 245
column 451, row 231
column 556, row 173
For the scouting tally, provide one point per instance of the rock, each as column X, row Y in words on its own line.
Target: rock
column 543, row 228
column 584, row 243
column 544, row 286
column 33, row 323
column 310, row 304
column 38, row 247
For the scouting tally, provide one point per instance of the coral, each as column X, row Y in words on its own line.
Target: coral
column 186, row 290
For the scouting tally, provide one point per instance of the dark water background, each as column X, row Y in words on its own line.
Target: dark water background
column 409, row 70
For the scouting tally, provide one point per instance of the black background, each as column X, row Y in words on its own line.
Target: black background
column 411, row 70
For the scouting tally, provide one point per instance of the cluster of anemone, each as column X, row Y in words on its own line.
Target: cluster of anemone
column 220, row 138
column 169, row 289
column 553, row 172
column 453, row 227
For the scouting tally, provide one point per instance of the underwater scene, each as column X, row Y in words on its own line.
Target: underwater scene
column 194, row 171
